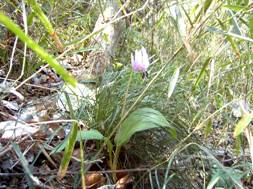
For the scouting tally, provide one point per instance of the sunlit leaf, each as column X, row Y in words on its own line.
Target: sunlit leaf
column 202, row 10
column 236, row 29
column 178, row 19
column 173, row 82
column 235, row 7
column 230, row 39
column 242, row 124
column 140, row 120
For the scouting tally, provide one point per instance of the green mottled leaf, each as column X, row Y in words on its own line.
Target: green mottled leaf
column 90, row 135
column 140, row 120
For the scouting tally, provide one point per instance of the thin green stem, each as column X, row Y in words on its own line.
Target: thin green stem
column 82, row 161
column 115, row 163
column 126, row 93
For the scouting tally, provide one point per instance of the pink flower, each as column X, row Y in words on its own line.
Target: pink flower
column 140, row 60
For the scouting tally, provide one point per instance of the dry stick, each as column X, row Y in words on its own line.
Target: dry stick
column 36, row 86
column 25, row 45
column 11, row 60
column 33, row 75
column 122, row 8
column 54, row 172
column 54, row 121
column 3, row 152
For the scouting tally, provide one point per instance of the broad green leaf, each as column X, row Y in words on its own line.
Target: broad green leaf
column 30, row 18
column 85, row 135
column 9, row 24
column 90, row 135
column 140, row 120
column 173, row 82
column 242, row 124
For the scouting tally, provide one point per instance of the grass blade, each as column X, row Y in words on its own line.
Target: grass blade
column 30, row 178
column 47, row 24
column 70, row 143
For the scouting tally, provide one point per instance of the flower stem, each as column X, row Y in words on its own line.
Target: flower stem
column 115, row 163
column 126, row 93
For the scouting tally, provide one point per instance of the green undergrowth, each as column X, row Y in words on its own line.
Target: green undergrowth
column 178, row 122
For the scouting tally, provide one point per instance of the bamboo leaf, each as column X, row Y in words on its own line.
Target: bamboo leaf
column 242, row 124
column 202, row 11
column 202, row 71
column 216, row 30
column 173, row 82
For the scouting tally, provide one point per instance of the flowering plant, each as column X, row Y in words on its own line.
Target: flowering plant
column 140, row 61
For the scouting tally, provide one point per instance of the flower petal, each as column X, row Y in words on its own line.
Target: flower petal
column 139, row 60
column 145, row 60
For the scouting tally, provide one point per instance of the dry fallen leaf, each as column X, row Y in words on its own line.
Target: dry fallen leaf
column 94, row 179
column 11, row 105
column 123, row 182
column 14, row 129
